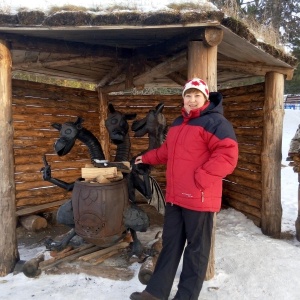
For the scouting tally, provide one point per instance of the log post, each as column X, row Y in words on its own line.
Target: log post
column 271, row 211
column 103, row 112
column 8, row 241
column 202, row 63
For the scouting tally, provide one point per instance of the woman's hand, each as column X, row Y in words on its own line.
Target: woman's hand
column 138, row 160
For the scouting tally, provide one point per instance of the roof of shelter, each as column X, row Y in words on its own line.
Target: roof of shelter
column 102, row 47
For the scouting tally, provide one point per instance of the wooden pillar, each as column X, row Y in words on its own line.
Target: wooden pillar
column 8, row 241
column 202, row 63
column 271, row 212
column 103, row 112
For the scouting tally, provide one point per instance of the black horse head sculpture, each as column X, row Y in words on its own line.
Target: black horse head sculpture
column 154, row 124
column 69, row 132
column 117, row 127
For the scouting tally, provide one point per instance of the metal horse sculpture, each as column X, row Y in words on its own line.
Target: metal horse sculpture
column 139, row 179
column 118, row 128
column 69, row 132
column 155, row 125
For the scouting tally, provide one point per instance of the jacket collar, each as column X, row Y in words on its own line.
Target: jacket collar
column 194, row 113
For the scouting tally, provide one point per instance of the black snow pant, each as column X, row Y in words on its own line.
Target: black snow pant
column 189, row 231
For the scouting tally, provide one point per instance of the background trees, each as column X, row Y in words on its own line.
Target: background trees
column 280, row 17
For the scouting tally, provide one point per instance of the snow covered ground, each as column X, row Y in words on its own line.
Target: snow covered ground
column 249, row 265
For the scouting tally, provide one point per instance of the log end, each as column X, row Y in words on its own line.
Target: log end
column 31, row 267
column 146, row 270
column 145, row 275
column 33, row 222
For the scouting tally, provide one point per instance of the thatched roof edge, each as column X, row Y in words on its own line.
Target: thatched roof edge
column 134, row 18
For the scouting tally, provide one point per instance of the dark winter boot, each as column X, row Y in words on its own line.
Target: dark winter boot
column 144, row 295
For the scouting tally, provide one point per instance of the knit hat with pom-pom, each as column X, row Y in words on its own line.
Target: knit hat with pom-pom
column 199, row 84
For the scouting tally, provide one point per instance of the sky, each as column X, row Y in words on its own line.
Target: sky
column 248, row 264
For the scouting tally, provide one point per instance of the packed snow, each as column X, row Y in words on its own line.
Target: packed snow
column 248, row 264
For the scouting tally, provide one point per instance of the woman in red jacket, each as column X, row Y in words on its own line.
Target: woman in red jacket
column 199, row 151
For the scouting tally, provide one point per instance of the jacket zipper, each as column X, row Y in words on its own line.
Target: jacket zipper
column 202, row 196
column 176, row 139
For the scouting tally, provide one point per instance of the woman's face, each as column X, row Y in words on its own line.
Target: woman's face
column 193, row 100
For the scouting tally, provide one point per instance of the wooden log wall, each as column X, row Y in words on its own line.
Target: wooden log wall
column 243, row 107
column 35, row 107
column 242, row 190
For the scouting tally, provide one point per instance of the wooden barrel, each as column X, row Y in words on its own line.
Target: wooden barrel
column 98, row 211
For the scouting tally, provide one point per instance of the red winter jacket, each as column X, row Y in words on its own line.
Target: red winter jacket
column 199, row 151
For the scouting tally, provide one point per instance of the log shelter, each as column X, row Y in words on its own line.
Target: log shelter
column 123, row 53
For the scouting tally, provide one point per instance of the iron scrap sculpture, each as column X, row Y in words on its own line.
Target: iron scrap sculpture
column 138, row 178
column 155, row 125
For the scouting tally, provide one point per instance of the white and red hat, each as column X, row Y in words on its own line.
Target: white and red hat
column 197, row 83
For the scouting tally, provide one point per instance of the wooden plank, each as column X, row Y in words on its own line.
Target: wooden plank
column 229, row 186
column 95, row 172
column 68, row 256
column 171, row 65
column 259, row 69
column 61, row 62
column 98, row 256
column 243, row 207
column 244, row 181
column 38, row 208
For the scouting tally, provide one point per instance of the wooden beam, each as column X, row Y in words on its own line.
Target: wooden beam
column 8, row 240
column 238, row 80
column 271, row 212
column 212, row 36
column 173, row 45
column 175, row 76
column 115, row 72
column 27, row 43
column 254, row 68
column 60, row 62
column 39, row 208
column 178, row 43
column 62, row 75
column 173, row 64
